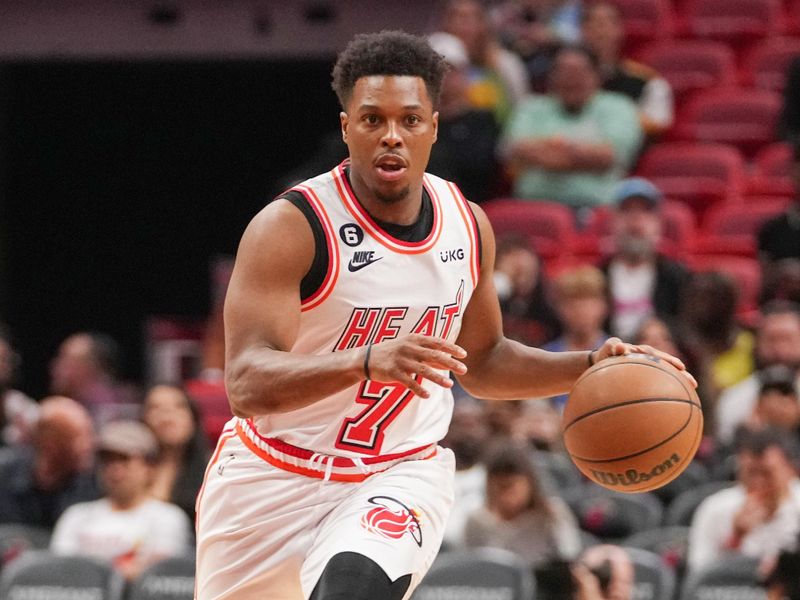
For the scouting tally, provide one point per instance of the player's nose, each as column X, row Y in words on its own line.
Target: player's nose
column 391, row 137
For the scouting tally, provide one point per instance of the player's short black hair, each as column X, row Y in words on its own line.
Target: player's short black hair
column 388, row 53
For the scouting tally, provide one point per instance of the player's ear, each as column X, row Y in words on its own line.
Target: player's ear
column 435, row 122
column 343, row 120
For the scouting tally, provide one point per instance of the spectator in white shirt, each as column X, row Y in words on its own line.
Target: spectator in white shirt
column 126, row 527
column 761, row 514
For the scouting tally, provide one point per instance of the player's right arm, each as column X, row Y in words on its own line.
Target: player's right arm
column 262, row 318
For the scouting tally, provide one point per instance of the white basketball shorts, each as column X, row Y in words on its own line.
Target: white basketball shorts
column 270, row 516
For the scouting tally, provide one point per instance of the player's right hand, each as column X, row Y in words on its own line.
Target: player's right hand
column 407, row 359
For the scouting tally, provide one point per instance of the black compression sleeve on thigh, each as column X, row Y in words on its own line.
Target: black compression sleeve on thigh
column 353, row 576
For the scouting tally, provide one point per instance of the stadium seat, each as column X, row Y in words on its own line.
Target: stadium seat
column 691, row 65
column 557, row 470
column 694, row 475
column 730, row 577
column 17, row 538
column 476, row 574
column 671, row 544
column 548, row 226
column 681, row 510
column 40, row 574
column 745, row 271
column 645, row 21
column 170, row 579
column 793, row 17
column 652, row 578
column 612, row 516
column 212, row 403
column 765, row 64
column 772, row 172
column 731, row 228
column 745, row 118
column 697, row 174
column 737, row 22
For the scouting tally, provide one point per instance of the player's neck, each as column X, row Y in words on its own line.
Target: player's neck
column 404, row 211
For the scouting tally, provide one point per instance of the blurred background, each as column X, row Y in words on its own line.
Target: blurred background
column 639, row 162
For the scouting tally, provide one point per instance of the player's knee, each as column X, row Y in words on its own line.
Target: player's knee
column 353, row 576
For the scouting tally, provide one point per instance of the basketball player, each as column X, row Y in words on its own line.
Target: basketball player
column 354, row 296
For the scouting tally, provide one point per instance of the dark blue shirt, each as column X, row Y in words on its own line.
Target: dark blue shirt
column 22, row 501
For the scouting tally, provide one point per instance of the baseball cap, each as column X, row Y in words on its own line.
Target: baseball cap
column 637, row 187
column 128, row 438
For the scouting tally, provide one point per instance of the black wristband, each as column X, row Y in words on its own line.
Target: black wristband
column 591, row 360
column 366, row 361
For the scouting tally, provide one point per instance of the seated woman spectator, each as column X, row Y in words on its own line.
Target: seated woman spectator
column 518, row 516
column 183, row 447
column 527, row 314
column 722, row 349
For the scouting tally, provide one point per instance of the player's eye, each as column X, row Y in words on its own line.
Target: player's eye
column 413, row 120
column 372, row 119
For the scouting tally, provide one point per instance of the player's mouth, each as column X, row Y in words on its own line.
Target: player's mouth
column 390, row 167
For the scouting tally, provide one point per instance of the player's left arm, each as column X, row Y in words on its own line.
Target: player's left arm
column 502, row 369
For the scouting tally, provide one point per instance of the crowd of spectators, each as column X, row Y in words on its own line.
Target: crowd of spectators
column 540, row 103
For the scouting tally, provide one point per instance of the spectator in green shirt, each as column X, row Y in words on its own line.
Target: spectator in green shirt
column 575, row 143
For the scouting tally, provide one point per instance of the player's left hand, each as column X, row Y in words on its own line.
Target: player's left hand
column 616, row 347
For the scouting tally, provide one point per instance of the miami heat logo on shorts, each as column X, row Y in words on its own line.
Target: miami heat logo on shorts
column 392, row 519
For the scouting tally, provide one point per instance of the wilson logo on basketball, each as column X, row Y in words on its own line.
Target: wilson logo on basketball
column 631, row 477
column 392, row 519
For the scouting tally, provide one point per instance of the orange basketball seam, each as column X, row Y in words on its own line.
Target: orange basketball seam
column 639, row 453
column 627, row 403
column 590, row 372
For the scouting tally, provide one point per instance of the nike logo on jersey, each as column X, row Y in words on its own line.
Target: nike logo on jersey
column 361, row 259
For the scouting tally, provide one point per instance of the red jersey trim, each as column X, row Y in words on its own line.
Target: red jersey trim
column 472, row 231
column 370, row 226
column 326, row 468
column 332, row 274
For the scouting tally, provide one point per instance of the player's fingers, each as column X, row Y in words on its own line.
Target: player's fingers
column 431, row 374
column 673, row 360
column 415, row 386
column 443, row 345
column 439, row 359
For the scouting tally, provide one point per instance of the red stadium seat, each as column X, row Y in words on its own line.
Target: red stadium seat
column 732, row 228
column 741, row 117
column 548, row 226
column 766, row 64
column 212, row 402
column 793, row 17
column 737, row 22
column 772, row 172
column 697, row 174
column 690, row 65
column 645, row 20
column 745, row 271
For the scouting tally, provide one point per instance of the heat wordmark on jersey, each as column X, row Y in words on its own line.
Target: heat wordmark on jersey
column 378, row 288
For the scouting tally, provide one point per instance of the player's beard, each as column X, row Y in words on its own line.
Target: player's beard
column 393, row 198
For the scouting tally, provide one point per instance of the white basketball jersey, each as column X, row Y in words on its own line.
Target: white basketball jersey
column 378, row 288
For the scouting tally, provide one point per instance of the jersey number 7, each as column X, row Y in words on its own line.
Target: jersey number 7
column 364, row 433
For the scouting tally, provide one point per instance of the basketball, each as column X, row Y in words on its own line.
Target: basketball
column 632, row 423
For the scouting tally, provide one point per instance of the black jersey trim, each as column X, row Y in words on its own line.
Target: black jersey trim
column 315, row 278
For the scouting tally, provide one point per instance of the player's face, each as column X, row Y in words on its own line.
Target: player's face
column 389, row 128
